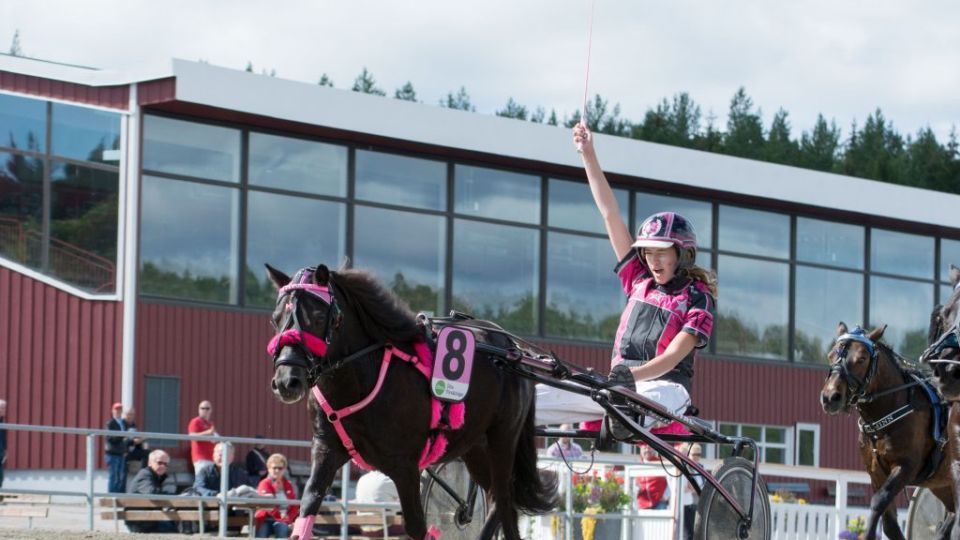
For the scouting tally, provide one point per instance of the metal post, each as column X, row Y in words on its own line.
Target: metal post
column 90, row 501
column 344, row 508
column 567, row 517
column 224, row 485
column 840, row 504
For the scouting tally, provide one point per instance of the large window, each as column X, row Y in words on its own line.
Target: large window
column 297, row 165
column 401, row 180
column 571, row 206
column 495, row 273
column 583, row 298
column 188, row 240
column 275, row 237
column 191, row 149
column 525, row 250
column 497, row 194
column 407, row 251
column 59, row 205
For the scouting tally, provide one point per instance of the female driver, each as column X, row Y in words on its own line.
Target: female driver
column 669, row 311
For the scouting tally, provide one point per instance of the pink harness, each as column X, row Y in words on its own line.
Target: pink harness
column 423, row 361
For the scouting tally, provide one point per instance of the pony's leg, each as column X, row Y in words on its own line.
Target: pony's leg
column 880, row 503
column 325, row 465
column 891, row 526
column 407, row 481
column 502, row 455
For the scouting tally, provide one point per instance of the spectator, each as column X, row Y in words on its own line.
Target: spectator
column 149, row 481
column 257, row 462
column 689, row 499
column 376, row 487
column 136, row 446
column 276, row 522
column 116, row 452
column 3, row 439
column 207, row 481
column 201, row 452
column 651, row 490
column 564, row 447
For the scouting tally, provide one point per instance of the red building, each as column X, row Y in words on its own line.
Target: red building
column 136, row 211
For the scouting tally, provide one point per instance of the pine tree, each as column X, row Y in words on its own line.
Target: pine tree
column 780, row 148
column 675, row 122
column 552, row 121
column 325, row 80
column 459, row 101
column 15, row 49
column 928, row 163
column 876, row 152
column 538, row 115
column 406, row 92
column 744, row 135
column 366, row 84
column 711, row 138
column 601, row 121
column 819, row 149
column 249, row 68
column 513, row 110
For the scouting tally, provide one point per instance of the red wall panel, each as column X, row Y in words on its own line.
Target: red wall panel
column 115, row 97
column 50, row 371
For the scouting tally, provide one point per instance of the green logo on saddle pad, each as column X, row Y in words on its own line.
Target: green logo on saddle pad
column 439, row 388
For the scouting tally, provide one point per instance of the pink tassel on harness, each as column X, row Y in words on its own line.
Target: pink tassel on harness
column 433, row 532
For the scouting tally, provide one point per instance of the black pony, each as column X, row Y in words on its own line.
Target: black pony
column 337, row 332
column 944, row 351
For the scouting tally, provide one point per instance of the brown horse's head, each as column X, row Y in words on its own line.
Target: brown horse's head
column 853, row 366
column 943, row 353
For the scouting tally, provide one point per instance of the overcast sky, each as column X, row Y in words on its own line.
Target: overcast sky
column 843, row 59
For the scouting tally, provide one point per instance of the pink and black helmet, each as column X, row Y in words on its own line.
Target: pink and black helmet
column 666, row 229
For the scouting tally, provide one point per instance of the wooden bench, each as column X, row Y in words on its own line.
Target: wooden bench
column 146, row 509
column 24, row 505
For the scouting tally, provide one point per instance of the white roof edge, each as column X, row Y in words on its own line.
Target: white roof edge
column 80, row 74
column 274, row 97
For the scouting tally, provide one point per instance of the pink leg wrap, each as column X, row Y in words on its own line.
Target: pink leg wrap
column 303, row 528
column 433, row 532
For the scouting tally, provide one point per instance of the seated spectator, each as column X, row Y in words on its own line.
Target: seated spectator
column 376, row 487
column 564, row 447
column 149, row 481
column 207, row 481
column 276, row 522
column 257, row 462
column 652, row 491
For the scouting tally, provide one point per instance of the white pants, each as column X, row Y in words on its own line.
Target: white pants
column 556, row 406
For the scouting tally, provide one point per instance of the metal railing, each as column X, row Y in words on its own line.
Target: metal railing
column 789, row 520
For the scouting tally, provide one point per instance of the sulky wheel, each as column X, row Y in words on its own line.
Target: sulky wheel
column 443, row 511
column 926, row 514
column 717, row 520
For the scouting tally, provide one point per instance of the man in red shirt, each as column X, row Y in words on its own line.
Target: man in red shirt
column 201, row 452
column 651, row 490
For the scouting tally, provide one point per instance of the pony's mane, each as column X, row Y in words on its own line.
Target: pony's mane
column 900, row 362
column 382, row 313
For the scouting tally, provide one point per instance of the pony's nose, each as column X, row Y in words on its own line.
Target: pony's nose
column 830, row 398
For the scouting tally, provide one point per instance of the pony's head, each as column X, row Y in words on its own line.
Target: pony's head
column 943, row 352
column 305, row 318
column 325, row 319
column 853, row 366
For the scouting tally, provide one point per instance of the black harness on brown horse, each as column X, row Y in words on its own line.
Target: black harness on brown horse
column 857, row 395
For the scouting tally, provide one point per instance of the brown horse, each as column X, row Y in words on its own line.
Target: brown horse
column 356, row 353
column 897, row 418
column 943, row 353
